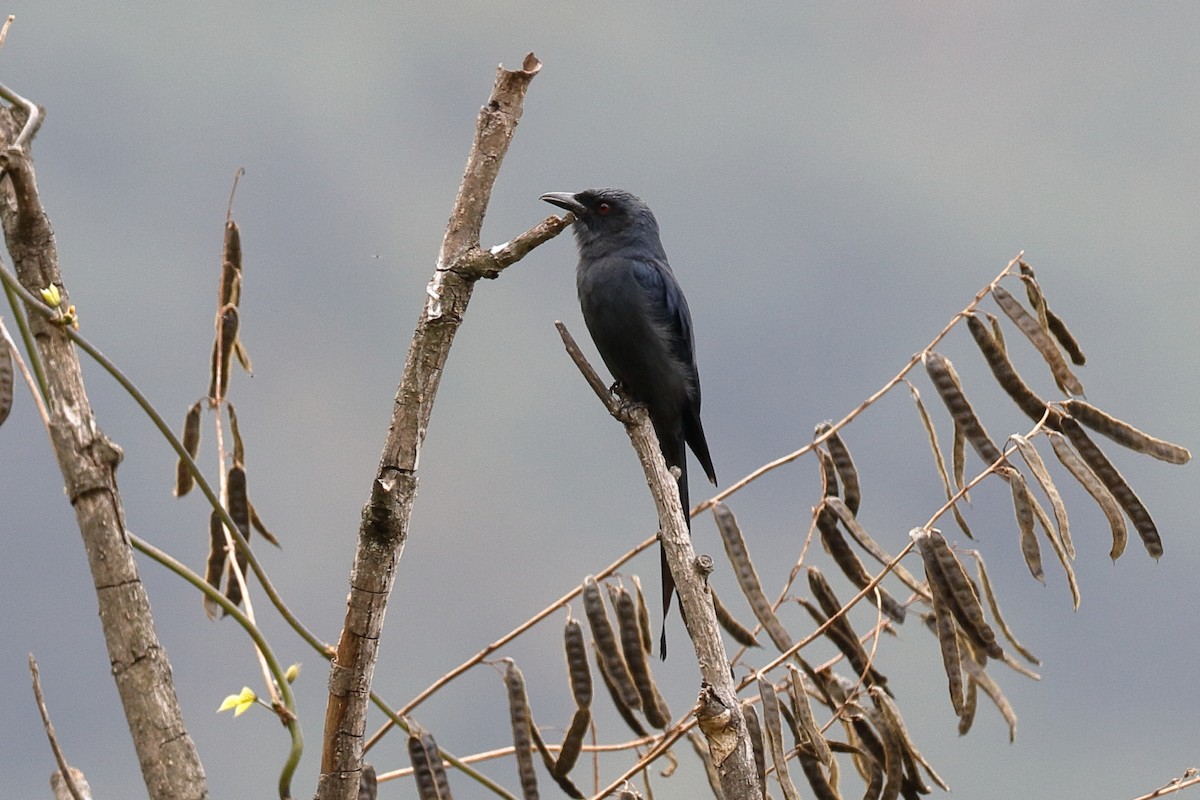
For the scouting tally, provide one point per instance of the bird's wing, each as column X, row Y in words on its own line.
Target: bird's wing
column 671, row 309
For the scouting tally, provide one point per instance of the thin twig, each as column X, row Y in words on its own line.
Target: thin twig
column 63, row 768
column 1190, row 778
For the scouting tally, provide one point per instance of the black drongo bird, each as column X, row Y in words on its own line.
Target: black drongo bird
column 641, row 325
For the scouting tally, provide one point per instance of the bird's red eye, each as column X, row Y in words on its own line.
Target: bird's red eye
column 603, row 208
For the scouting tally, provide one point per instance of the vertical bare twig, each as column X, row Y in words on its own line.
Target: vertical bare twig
column 88, row 460
column 68, row 775
column 384, row 528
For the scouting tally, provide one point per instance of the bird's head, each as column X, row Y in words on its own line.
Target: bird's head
column 607, row 219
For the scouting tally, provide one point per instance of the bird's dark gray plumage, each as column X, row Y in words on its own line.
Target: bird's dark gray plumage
column 639, row 319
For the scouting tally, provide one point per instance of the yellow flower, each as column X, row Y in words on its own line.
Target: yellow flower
column 52, row 296
column 239, row 702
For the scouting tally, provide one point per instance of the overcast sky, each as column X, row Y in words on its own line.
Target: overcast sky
column 833, row 182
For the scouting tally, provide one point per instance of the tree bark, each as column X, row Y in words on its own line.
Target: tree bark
column 385, row 518
column 170, row 764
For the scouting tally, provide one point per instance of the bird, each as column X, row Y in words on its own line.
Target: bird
column 639, row 320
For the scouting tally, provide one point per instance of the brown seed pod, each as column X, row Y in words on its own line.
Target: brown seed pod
column 773, row 727
column 1099, row 492
column 239, row 447
column 850, row 565
column 943, row 567
column 7, row 380
column 821, row 788
column 846, row 471
column 810, row 732
column 522, row 724
column 239, row 505
column 754, row 731
column 215, row 564
column 643, row 615
column 257, row 524
column 740, row 633
column 1023, row 509
column 1125, row 434
column 970, row 705
column 607, row 649
column 635, row 659
column 230, row 291
column 949, row 388
column 747, row 576
column 1042, row 475
column 1040, row 338
column 578, row 670
column 184, row 480
column 1056, row 545
column 551, row 764
column 997, row 331
column 227, row 328
column 844, row 637
column 1115, row 483
column 958, row 456
column 893, row 759
column 618, row 696
column 231, row 251
column 860, row 535
column 829, row 479
column 992, row 690
column 939, row 461
column 1004, row 372
column 428, row 771
column 986, row 584
column 890, row 714
column 572, row 744
column 943, row 622
column 1059, row 330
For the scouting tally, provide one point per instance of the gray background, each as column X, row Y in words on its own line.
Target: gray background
column 833, row 181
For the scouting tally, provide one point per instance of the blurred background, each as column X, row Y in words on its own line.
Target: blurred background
column 833, row 181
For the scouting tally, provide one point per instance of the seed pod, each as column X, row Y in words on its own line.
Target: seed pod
column 572, row 744
column 822, row 790
column 992, row 690
column 618, row 696
column 774, row 734
column 943, row 568
column 994, row 605
column 949, row 388
column 428, row 771
column 227, row 328
column 643, row 615
column 215, row 564
column 754, row 731
column 740, row 633
column 1056, row 545
column 939, row 461
column 872, row 750
column 1023, row 509
column 368, row 783
column 184, row 480
column 1042, row 475
column 578, row 670
column 944, row 625
column 1099, row 492
column 810, row 732
column 1125, row 434
column 1059, row 329
column 829, row 479
column 846, row 641
column 230, row 291
column 7, row 380
column 850, row 565
column 893, row 759
column 1004, row 372
column 847, row 474
column 860, row 535
column 970, row 705
column 1040, row 338
column 606, row 644
column 997, row 331
column 635, row 659
column 890, row 714
column 747, row 576
column 231, row 251
column 239, row 448
column 551, row 765
column 257, row 524
column 522, row 723
column 1112, row 479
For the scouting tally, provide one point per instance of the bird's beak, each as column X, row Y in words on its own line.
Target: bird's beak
column 565, row 200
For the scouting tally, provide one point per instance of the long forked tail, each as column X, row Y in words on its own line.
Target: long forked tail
column 677, row 458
